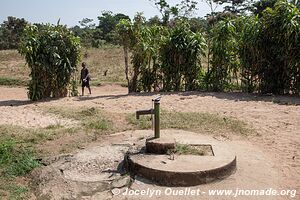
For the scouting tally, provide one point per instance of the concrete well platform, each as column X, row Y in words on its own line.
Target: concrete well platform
column 184, row 170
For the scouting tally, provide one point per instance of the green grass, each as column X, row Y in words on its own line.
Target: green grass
column 18, row 152
column 199, row 122
column 99, row 124
column 187, row 150
column 7, row 81
column 15, row 159
column 99, row 60
column 34, row 136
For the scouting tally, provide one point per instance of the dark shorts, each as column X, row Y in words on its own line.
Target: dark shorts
column 86, row 83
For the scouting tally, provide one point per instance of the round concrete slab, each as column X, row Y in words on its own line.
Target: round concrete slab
column 185, row 170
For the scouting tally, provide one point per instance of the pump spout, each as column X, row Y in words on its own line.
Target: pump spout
column 144, row 112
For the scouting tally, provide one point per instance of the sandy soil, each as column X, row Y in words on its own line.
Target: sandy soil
column 82, row 176
column 276, row 120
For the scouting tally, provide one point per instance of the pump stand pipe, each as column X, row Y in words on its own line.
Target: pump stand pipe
column 156, row 112
column 156, row 117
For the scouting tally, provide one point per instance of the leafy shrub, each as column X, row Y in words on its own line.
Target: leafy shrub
column 270, row 50
column 52, row 53
column 224, row 62
column 181, row 58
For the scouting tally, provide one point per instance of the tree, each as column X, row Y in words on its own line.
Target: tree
column 260, row 6
column 198, row 24
column 236, row 7
column 107, row 24
column 130, row 37
column 251, row 57
column 86, row 23
column 52, row 53
column 184, row 9
column 281, row 50
column 11, row 31
column 124, row 29
column 154, row 21
column 269, row 50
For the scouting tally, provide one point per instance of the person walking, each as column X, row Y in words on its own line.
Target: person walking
column 85, row 78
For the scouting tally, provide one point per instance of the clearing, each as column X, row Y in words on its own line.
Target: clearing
column 269, row 124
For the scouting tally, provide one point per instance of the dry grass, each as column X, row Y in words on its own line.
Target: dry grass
column 100, row 60
column 90, row 118
column 199, row 122
column 13, row 66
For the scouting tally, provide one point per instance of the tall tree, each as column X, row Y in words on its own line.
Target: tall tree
column 87, row 23
column 260, row 6
column 236, row 7
column 11, row 31
column 184, row 9
column 107, row 24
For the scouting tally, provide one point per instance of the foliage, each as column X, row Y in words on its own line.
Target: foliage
column 259, row 52
column 141, row 41
column 260, row 6
column 236, row 7
column 181, row 58
column 107, row 25
column 224, row 62
column 149, row 47
column 184, row 9
column 125, row 31
column 74, row 88
column 10, row 32
column 89, row 35
column 270, row 50
column 161, row 57
column 281, row 31
column 97, row 36
column 52, row 53
column 185, row 149
column 250, row 45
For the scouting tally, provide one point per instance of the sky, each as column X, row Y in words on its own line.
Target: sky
column 71, row 11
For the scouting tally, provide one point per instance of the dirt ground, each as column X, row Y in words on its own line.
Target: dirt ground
column 276, row 120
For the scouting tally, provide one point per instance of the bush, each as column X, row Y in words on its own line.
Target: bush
column 181, row 58
column 270, row 50
column 224, row 63
column 52, row 53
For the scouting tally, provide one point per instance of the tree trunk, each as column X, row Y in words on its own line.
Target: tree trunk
column 126, row 66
